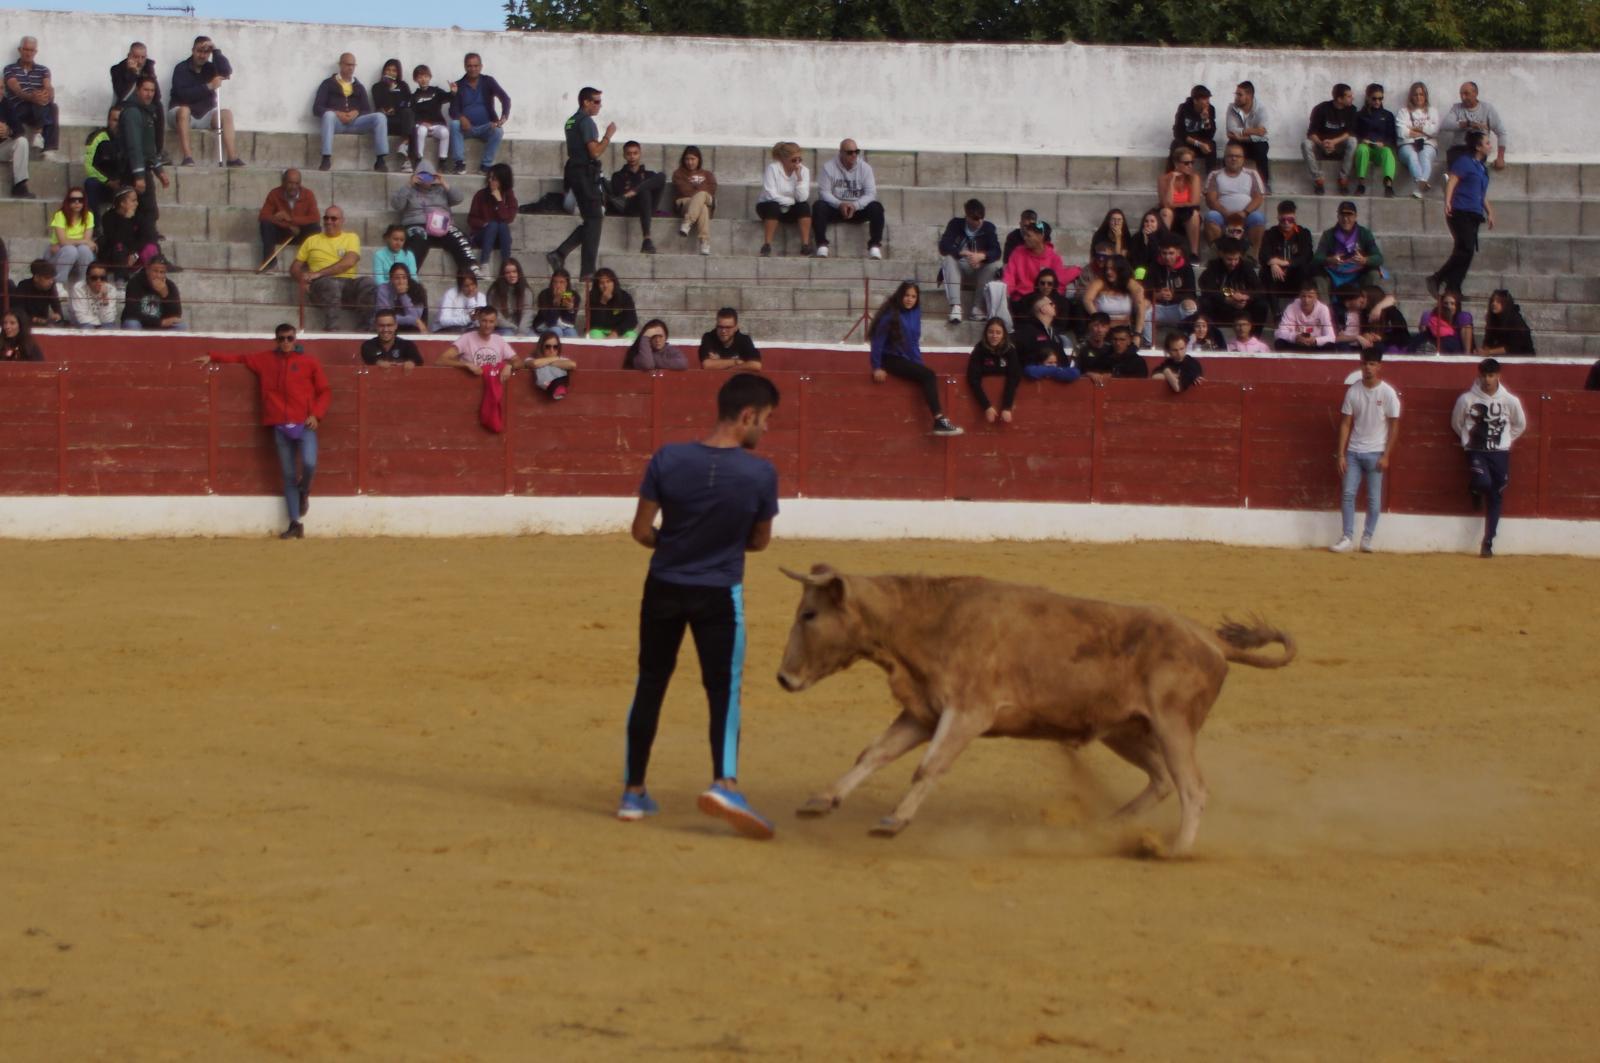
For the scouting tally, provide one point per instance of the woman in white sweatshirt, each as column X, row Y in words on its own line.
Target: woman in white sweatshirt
column 1419, row 131
column 785, row 188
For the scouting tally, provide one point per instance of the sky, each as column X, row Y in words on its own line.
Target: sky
column 466, row 14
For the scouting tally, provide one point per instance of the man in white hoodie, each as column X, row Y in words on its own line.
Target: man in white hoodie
column 1488, row 418
column 848, row 192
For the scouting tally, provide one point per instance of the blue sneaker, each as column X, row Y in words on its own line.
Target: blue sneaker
column 731, row 806
column 636, row 806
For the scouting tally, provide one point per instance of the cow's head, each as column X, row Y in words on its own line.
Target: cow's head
column 826, row 635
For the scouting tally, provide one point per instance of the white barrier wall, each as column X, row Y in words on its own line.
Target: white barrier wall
column 1005, row 98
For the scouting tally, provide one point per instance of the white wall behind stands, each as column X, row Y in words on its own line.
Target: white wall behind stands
column 1005, row 98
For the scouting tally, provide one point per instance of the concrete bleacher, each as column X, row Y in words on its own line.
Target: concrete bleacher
column 1545, row 249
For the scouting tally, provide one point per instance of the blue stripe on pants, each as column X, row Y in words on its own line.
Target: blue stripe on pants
column 730, row 729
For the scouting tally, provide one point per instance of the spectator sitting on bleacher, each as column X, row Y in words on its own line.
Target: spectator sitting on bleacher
column 288, row 214
column 1347, row 254
column 1236, row 190
column 30, row 97
column 342, row 105
column 1350, row 319
column 1119, row 361
column 994, row 355
column 1418, row 126
column 72, row 246
column 424, row 203
column 193, row 95
column 393, row 251
column 136, row 130
column 1244, row 340
column 1095, row 343
column 400, row 296
column 388, row 349
column 1446, row 328
column 611, row 312
column 1013, row 240
column 552, row 370
column 95, row 302
column 513, row 297
column 39, row 296
column 1069, row 311
column 127, row 235
column 327, row 269
column 1330, row 135
column 101, row 165
column 1113, row 233
column 557, row 306
column 785, row 189
column 1306, row 324
column 1180, row 370
column 428, row 105
column 1475, row 115
column 1228, row 285
column 694, row 193
column 970, row 249
column 1178, row 191
column 1146, row 243
column 490, row 217
column 391, row 97
column 1246, row 124
column 1204, row 336
column 1173, row 293
column 1007, row 297
column 481, row 109
column 14, row 150
column 896, row 348
column 1285, row 256
column 847, row 191
column 16, row 339
column 151, row 301
column 1383, row 326
column 635, row 192
column 1117, row 294
column 458, row 307
column 1505, row 330
column 1377, row 134
column 1046, row 352
column 725, row 347
column 125, row 90
column 652, row 351
column 1195, row 127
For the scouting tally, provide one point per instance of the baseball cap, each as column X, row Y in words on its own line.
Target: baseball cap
column 1347, row 207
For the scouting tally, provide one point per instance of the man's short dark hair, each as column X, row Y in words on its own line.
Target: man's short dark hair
column 587, row 93
column 626, row 144
column 1309, row 286
column 1230, row 245
column 42, row 267
column 469, row 57
column 1287, row 207
column 1030, row 215
column 1119, row 330
column 728, row 311
column 420, row 69
column 385, row 313
column 745, row 391
column 146, row 77
column 1340, row 89
column 1170, row 240
column 1372, row 354
column 198, row 41
column 973, row 208
column 1099, row 317
column 1248, row 86
column 486, row 308
column 1172, row 338
column 283, row 326
column 1374, row 87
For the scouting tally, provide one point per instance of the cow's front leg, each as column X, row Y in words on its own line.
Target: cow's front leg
column 903, row 735
column 953, row 733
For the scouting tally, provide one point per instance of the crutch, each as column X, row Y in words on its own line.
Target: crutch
column 218, row 121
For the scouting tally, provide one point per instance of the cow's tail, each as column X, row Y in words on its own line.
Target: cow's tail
column 1240, row 640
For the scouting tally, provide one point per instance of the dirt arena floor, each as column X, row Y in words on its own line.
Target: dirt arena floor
column 352, row 800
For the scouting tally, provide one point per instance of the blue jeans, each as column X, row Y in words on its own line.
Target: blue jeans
column 1356, row 464
column 296, row 486
column 488, row 132
column 495, row 236
column 376, row 123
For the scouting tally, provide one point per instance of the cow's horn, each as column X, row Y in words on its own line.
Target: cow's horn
column 814, row 578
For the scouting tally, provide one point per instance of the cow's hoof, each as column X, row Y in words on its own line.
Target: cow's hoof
column 887, row 827
column 817, row 806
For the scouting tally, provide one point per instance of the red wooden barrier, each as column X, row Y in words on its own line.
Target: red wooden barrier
column 171, row 428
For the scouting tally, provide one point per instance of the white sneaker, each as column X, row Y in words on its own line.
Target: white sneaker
column 683, row 230
column 52, row 156
column 875, row 251
column 1366, row 544
column 705, row 247
column 977, row 315
column 955, row 314
column 1416, row 193
column 821, row 251
column 1343, row 546
column 37, row 143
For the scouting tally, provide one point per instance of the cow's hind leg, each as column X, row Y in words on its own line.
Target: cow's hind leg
column 1173, row 730
column 904, row 734
column 955, row 732
column 1135, row 743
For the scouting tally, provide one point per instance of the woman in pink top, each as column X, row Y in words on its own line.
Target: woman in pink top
column 1014, row 291
column 1179, row 191
column 1307, row 324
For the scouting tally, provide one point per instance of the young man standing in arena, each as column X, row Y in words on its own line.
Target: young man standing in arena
column 716, row 501
column 1488, row 419
column 1369, row 427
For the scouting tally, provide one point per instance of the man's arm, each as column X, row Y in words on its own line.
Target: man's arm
column 1388, row 448
column 760, row 536
column 505, row 101
column 644, row 524
column 1345, row 421
column 452, row 357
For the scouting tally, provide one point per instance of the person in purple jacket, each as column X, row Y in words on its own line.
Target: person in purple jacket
column 480, row 111
column 343, row 106
column 896, row 332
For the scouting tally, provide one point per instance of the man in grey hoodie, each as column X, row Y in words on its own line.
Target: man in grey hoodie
column 848, row 192
column 1488, row 419
column 1474, row 115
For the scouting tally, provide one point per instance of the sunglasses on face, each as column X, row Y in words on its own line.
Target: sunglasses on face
column 74, row 199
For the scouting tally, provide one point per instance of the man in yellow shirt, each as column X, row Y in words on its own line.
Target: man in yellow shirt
column 327, row 271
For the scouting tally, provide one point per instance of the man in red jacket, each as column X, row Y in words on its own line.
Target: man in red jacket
column 294, row 399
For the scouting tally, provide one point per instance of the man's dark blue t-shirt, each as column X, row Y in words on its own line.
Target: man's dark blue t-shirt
column 580, row 130
column 710, row 499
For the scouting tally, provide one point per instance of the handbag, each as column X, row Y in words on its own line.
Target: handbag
column 436, row 221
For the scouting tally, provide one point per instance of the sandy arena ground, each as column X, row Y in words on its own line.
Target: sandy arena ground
column 353, row 800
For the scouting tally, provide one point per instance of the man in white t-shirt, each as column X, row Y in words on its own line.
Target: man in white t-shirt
column 1369, row 427
column 1236, row 190
column 481, row 348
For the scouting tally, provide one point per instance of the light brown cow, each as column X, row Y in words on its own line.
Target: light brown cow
column 969, row 657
